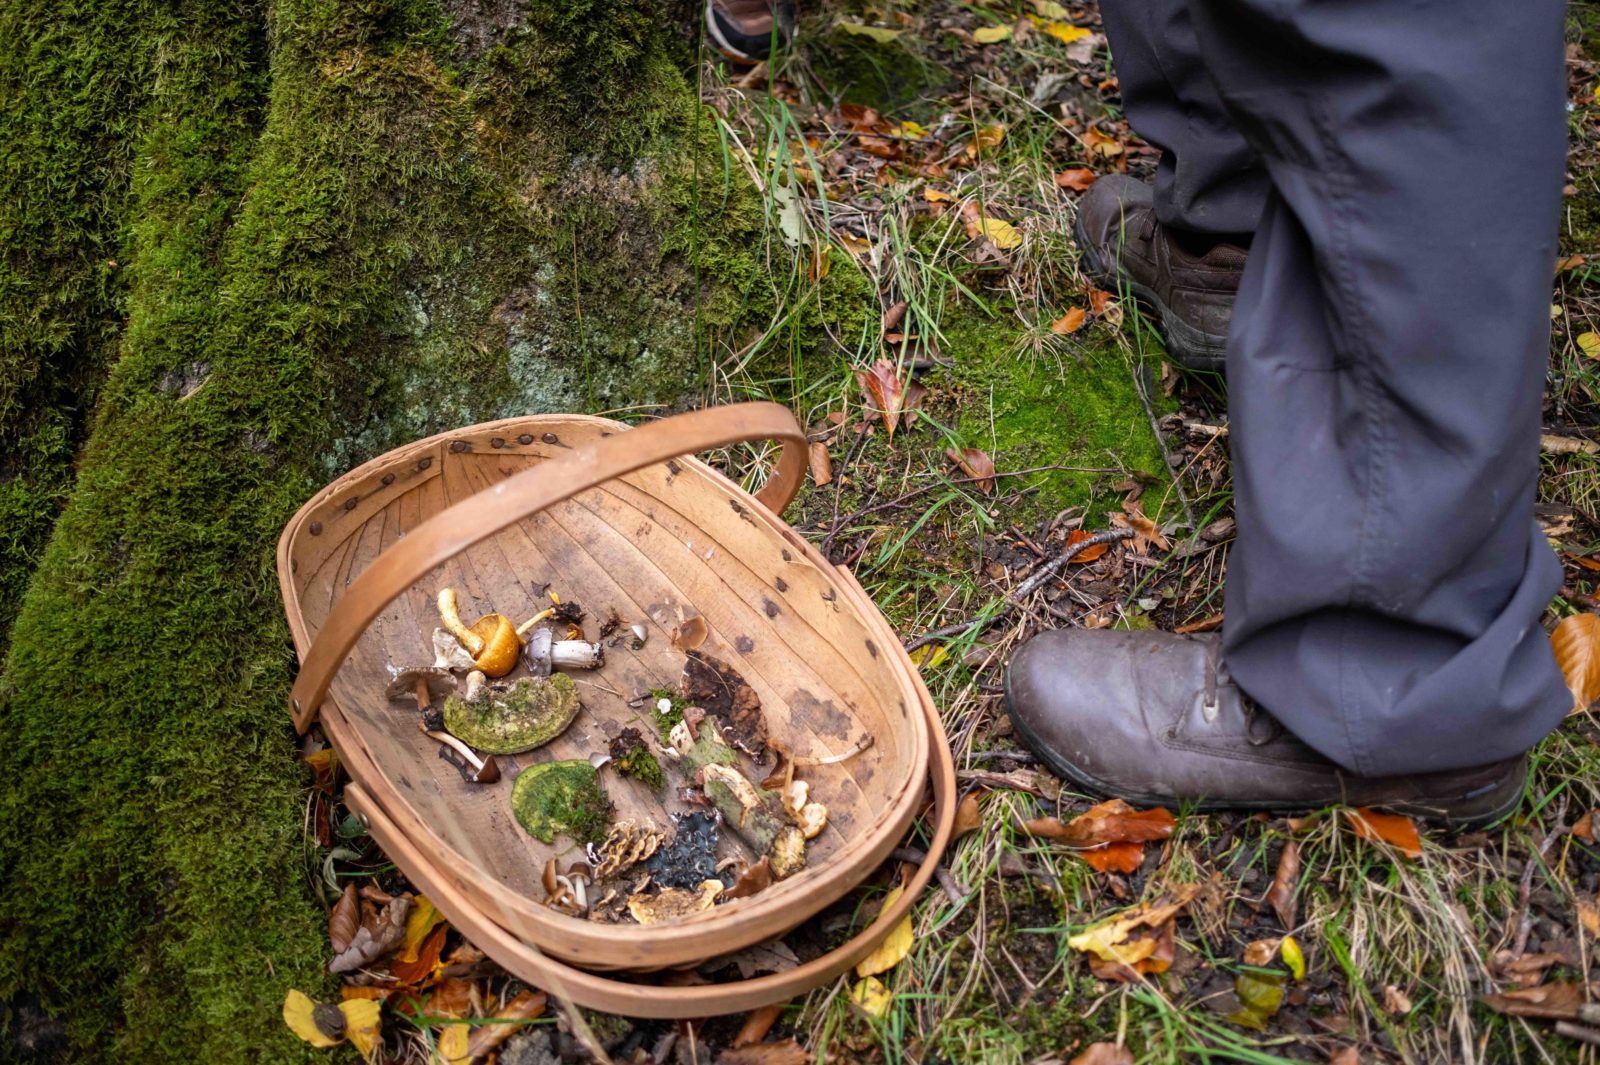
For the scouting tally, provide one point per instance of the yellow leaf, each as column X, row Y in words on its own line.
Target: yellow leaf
column 891, row 950
column 989, row 137
column 1293, row 957
column 936, row 196
column 1589, row 344
column 1051, row 10
column 421, row 920
column 1576, row 642
column 451, row 1048
column 1002, row 233
column 1107, row 939
column 871, row 996
column 362, row 1024
column 301, row 1015
column 881, row 34
column 912, row 131
column 928, row 656
column 1065, row 31
column 991, row 34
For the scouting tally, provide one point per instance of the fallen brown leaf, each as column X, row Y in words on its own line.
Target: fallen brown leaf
column 821, row 464
column 1261, row 952
column 968, row 816
column 1576, row 642
column 488, row 1035
column 757, row 1024
column 1347, row 1056
column 1070, row 322
column 1589, row 916
column 344, row 919
column 974, row 463
column 418, row 969
column 1145, row 533
column 1103, row 1054
column 1281, row 895
column 887, row 391
column 1397, row 831
column 371, row 943
column 1552, row 1001
column 1077, row 179
column 1088, row 554
column 787, row 1052
column 1098, row 299
column 755, row 878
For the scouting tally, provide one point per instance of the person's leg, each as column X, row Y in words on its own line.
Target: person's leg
column 747, row 30
column 1385, row 372
column 1209, row 179
column 1175, row 246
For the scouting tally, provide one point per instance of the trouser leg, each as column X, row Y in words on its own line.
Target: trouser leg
column 1209, row 179
column 1385, row 370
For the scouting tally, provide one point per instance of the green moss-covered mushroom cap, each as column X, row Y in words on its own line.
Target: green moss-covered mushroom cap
column 556, row 797
column 511, row 719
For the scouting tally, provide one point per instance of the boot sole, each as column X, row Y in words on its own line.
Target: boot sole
column 1437, row 811
column 1188, row 346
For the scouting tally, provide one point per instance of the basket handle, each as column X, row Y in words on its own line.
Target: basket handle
column 485, row 513
column 527, row 962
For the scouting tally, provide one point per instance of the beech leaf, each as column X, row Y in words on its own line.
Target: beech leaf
column 1398, row 831
column 1281, row 895
column 344, row 919
column 974, row 463
column 370, row 944
column 968, row 816
column 1576, row 643
column 1088, row 554
column 1076, row 178
column 888, row 392
column 1070, row 322
column 872, row 997
column 881, row 34
column 1001, row 234
column 1065, row 31
column 991, row 34
column 1103, row 1054
column 895, row 947
column 1550, row 1001
column 1109, row 939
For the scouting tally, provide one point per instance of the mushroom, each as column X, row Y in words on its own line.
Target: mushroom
column 448, row 652
column 474, row 770
column 424, row 683
column 492, row 640
column 544, row 652
column 570, row 612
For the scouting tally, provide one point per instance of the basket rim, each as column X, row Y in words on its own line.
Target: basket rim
column 586, row 942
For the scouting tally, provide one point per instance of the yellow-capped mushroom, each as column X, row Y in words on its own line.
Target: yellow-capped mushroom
column 492, row 640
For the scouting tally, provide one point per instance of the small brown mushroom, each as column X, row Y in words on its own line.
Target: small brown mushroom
column 474, row 770
column 423, row 683
column 544, row 652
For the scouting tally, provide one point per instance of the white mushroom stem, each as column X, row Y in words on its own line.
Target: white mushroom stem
column 576, row 654
column 450, row 618
column 475, row 682
column 460, row 748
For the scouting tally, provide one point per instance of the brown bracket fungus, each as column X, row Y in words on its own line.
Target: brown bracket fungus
column 565, row 796
column 513, row 718
column 474, row 770
column 674, row 903
column 423, row 683
column 545, row 653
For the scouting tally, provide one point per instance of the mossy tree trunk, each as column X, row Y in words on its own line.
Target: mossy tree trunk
column 336, row 227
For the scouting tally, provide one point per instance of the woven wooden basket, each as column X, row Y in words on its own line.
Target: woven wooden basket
column 622, row 519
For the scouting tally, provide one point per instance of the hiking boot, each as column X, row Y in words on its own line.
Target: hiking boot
column 747, row 30
column 1156, row 720
column 1190, row 291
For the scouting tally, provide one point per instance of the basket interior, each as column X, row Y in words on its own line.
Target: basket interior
column 659, row 546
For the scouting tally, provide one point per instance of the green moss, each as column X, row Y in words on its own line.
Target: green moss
column 1079, row 408
column 343, row 229
column 521, row 717
column 633, row 758
column 667, row 721
column 553, row 798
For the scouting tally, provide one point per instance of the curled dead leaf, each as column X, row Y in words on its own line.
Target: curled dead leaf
column 785, row 1052
column 1070, row 322
column 968, row 815
column 974, row 463
column 1088, row 554
column 1576, row 642
column 887, row 391
column 1398, row 831
column 1112, row 939
column 1104, row 1054
column 821, row 464
column 1281, row 895
column 1558, row 1002
column 894, row 947
column 1077, row 179
column 344, row 919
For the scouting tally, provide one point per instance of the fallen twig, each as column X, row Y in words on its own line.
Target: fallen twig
column 1027, row 588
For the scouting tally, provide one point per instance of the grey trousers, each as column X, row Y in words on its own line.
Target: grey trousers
column 1399, row 164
